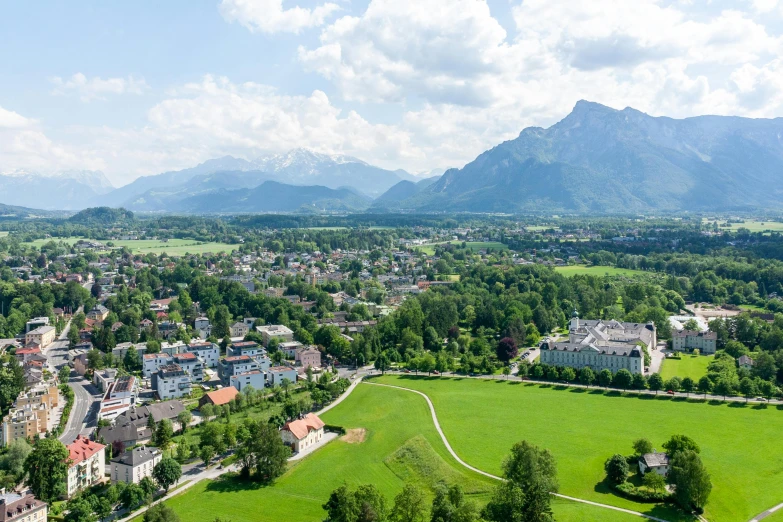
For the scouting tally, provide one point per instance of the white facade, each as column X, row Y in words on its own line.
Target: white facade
column 135, row 464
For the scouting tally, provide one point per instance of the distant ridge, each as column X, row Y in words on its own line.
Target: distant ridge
column 598, row 159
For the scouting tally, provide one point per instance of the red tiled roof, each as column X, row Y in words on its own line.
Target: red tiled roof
column 301, row 427
column 222, row 396
column 82, row 449
column 186, row 355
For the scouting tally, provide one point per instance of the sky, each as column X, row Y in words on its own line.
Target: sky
column 135, row 88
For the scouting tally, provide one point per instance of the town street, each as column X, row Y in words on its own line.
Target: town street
column 86, row 397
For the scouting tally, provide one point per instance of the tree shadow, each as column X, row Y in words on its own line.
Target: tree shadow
column 760, row 406
column 233, row 484
column 737, row 404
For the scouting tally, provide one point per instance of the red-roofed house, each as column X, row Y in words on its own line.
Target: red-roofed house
column 303, row 433
column 219, row 397
column 86, row 464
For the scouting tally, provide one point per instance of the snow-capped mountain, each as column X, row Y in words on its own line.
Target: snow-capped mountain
column 67, row 190
column 297, row 167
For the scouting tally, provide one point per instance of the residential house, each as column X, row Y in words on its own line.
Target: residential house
column 15, row 507
column 303, row 433
column 239, row 330
column 120, row 395
column 42, row 337
column 80, row 363
column 36, row 322
column 275, row 331
column 219, row 397
column 276, row 374
column 745, row 362
column 121, row 349
column 131, row 427
column 249, row 348
column 192, row 365
column 289, row 349
column 86, row 464
column 686, row 340
column 135, row 464
column 98, row 313
column 237, row 365
column 309, row 357
column 202, row 327
column 171, row 382
column 152, row 362
column 657, row 462
column 209, row 353
column 254, row 378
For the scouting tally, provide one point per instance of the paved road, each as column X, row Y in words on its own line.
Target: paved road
column 767, row 513
column 476, row 470
column 86, row 397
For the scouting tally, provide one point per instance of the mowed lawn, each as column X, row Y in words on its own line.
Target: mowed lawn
column 481, row 245
column 38, row 243
column 739, row 443
column 693, row 366
column 573, row 270
column 173, row 247
column 401, row 445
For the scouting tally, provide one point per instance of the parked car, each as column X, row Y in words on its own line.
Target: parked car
column 670, row 392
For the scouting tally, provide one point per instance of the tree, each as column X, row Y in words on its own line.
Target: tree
column 132, row 496
column 14, row 458
column 47, row 469
column 642, row 447
column 528, row 465
column 623, row 379
column 183, row 418
column 167, row 472
column 673, row 384
column 94, row 360
column 586, row 376
column 164, row 431
column 691, row 325
column 678, row 443
column 102, row 507
column 341, row 506
column 206, row 453
column 691, row 480
column 616, row 468
column 409, row 505
column 654, row 481
column 639, row 381
column 748, row 388
column 366, row 504
column 79, row 510
column 382, row 362
column 64, row 374
column 506, row 505
column 449, row 505
column 160, row 513
column 724, row 387
column 132, row 360
column 568, row 374
column 263, row 455
column 705, row 385
column 688, row 386
column 507, row 349
column 605, row 378
column 655, row 382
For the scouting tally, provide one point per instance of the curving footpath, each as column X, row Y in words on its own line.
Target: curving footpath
column 762, row 516
column 480, row 472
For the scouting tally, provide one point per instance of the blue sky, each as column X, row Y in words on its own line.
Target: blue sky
column 136, row 88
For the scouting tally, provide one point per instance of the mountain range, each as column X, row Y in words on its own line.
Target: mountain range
column 596, row 159
column 602, row 160
column 69, row 190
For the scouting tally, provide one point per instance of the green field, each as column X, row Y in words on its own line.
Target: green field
column 481, row 245
column 693, row 366
column 173, row 247
column 540, row 228
column 3, row 233
column 573, row 270
column 739, row 443
column 753, row 226
column 394, row 452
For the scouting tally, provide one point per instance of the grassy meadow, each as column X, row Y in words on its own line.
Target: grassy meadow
column 173, row 247
column 38, row 243
column 573, row 270
column 693, row 366
column 483, row 418
column 392, row 454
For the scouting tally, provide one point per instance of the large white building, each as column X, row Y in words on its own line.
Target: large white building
column 685, row 340
column 599, row 344
column 171, row 382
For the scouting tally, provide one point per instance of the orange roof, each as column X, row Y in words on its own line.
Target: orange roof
column 301, row 427
column 222, row 396
column 82, row 449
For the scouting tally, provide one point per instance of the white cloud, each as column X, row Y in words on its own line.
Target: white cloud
column 24, row 146
column 269, row 16
column 96, row 88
